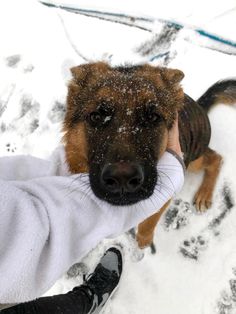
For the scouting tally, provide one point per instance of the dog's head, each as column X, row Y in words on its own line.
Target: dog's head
column 116, row 126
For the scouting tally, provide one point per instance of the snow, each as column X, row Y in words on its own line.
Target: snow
column 38, row 46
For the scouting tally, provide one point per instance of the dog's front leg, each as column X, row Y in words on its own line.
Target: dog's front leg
column 147, row 227
column 210, row 162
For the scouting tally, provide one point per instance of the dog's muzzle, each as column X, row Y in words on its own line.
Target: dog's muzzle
column 122, row 177
column 123, row 182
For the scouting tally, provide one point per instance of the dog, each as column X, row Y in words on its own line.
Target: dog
column 116, row 129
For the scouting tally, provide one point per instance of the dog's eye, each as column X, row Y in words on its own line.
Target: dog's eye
column 105, row 108
column 95, row 118
column 153, row 117
column 150, row 116
column 99, row 119
column 102, row 116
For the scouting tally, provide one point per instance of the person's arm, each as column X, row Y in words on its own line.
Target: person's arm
column 26, row 167
column 49, row 223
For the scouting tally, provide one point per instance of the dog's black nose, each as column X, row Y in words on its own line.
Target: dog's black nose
column 122, row 177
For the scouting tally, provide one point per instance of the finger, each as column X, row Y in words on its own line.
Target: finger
column 174, row 131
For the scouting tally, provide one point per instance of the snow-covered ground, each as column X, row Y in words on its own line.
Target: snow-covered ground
column 194, row 269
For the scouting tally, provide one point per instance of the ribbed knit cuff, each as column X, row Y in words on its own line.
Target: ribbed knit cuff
column 177, row 157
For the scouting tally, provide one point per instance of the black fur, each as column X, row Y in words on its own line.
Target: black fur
column 194, row 125
column 225, row 88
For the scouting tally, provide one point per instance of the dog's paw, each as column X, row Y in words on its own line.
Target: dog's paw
column 203, row 199
column 144, row 241
column 139, row 251
column 131, row 247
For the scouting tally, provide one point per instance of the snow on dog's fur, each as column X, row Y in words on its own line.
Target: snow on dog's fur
column 116, row 128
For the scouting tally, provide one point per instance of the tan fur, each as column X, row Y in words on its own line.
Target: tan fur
column 168, row 80
column 83, row 73
column 147, row 227
column 196, row 165
column 225, row 99
column 140, row 87
column 164, row 142
column 210, row 162
column 76, row 149
column 85, row 77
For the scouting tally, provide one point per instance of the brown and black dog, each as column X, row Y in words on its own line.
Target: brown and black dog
column 116, row 128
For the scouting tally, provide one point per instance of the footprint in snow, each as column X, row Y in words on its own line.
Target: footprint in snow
column 57, row 113
column 11, row 147
column 13, row 60
column 193, row 247
column 177, row 215
column 227, row 301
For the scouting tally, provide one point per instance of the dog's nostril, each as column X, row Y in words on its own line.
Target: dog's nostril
column 134, row 183
column 111, row 182
column 108, row 180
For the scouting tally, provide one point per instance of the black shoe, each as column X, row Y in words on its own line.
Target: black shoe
column 88, row 298
column 105, row 278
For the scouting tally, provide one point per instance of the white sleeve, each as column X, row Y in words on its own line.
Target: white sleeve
column 23, row 167
column 170, row 179
column 49, row 223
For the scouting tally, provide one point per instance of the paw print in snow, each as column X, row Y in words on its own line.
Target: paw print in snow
column 10, row 143
column 177, row 215
column 13, row 61
column 225, row 304
column 191, row 248
column 11, row 148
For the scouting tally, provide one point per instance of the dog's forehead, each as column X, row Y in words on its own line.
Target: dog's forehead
column 131, row 90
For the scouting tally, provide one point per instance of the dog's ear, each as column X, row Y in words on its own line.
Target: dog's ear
column 160, row 76
column 170, row 92
column 173, row 76
column 89, row 73
column 84, row 77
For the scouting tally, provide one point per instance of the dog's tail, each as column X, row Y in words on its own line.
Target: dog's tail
column 221, row 92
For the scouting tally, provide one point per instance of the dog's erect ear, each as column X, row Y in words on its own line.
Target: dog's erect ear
column 172, row 76
column 89, row 72
column 160, row 76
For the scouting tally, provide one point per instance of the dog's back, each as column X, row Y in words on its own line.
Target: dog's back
column 195, row 130
column 195, row 133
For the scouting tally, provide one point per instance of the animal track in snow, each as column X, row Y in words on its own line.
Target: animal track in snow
column 177, row 215
column 11, row 147
column 57, row 113
column 13, row 61
column 227, row 301
column 191, row 248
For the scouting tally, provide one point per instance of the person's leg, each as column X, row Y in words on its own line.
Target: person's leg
column 87, row 298
column 4, row 306
column 70, row 302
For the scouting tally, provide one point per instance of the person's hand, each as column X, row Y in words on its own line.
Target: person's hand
column 173, row 139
